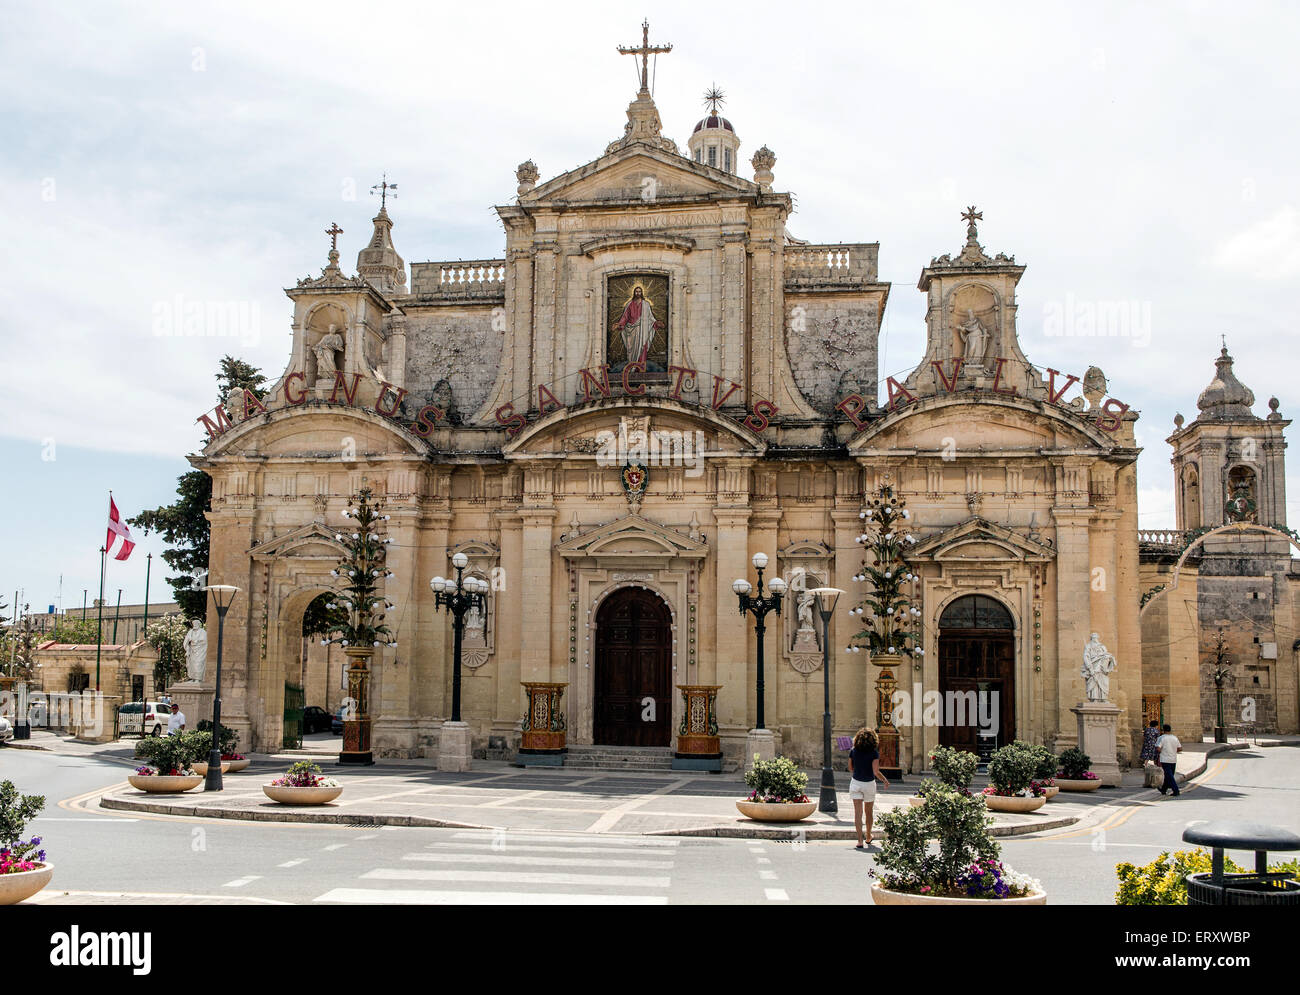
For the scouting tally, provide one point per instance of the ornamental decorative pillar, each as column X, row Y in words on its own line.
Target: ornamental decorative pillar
column 699, row 747
column 356, row 728
column 886, row 731
column 544, row 726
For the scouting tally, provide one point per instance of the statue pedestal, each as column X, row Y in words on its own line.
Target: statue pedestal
column 805, row 641
column 195, row 701
column 455, row 746
column 1098, row 733
column 762, row 742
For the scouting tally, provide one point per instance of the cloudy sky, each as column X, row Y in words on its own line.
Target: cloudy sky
column 162, row 156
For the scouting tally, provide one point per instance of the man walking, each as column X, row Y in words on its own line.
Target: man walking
column 176, row 723
column 1169, row 748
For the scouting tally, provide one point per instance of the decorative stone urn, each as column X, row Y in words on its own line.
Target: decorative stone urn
column 883, row 896
column 776, row 811
column 1066, row 784
column 1013, row 803
column 22, row 885
column 163, row 784
column 287, row 795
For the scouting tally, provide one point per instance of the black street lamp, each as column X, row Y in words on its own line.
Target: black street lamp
column 758, row 606
column 826, row 598
column 223, row 596
column 458, row 597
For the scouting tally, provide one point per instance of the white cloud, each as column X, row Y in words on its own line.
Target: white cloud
column 1268, row 249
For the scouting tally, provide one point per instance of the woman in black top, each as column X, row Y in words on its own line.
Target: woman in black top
column 864, row 759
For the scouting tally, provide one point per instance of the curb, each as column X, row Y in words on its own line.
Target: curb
column 798, row 831
column 25, row 746
column 278, row 814
column 1213, row 751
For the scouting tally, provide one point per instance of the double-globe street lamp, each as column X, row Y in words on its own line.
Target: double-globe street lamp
column 758, row 606
column 223, row 596
column 826, row 599
column 458, row 597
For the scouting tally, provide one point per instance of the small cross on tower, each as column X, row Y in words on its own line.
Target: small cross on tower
column 970, row 216
column 714, row 97
column 383, row 188
column 334, row 231
column 645, row 51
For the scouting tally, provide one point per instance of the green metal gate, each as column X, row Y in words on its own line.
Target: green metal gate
column 294, row 702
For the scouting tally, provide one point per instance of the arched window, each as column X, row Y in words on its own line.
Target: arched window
column 1191, row 499
column 976, row 611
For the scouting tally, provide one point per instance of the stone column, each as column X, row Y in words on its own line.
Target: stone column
column 1073, row 614
column 730, row 635
column 534, row 595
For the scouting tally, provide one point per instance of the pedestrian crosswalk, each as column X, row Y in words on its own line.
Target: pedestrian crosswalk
column 478, row 868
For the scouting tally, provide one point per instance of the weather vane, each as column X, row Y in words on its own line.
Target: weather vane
column 382, row 189
column 713, row 96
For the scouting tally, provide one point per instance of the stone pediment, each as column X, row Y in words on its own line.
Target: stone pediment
column 631, row 540
column 639, row 174
column 313, row 540
column 978, row 539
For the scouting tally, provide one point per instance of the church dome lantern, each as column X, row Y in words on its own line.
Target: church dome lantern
column 1226, row 397
column 714, row 141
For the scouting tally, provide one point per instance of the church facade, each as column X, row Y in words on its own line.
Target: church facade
column 654, row 382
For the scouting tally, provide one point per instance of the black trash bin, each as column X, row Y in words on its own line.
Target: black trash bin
column 1259, row 888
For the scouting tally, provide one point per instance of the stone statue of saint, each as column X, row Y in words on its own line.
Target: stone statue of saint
column 806, row 599
column 196, row 651
column 974, row 338
column 327, row 350
column 474, row 620
column 1097, row 667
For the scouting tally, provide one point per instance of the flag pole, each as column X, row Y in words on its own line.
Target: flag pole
column 99, row 639
column 148, row 565
column 117, row 612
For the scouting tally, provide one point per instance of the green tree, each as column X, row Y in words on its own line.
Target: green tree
column 83, row 631
column 183, row 524
column 319, row 618
column 167, row 636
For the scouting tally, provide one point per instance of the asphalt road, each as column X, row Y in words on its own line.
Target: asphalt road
column 142, row 858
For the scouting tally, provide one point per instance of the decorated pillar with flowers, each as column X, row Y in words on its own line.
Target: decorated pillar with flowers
column 888, row 615
column 361, row 631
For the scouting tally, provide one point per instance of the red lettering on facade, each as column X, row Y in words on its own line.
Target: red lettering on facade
column 384, row 388
column 897, row 390
column 514, row 424
column 760, row 418
column 639, row 366
column 590, row 380
column 422, row 426
column 302, row 395
column 948, row 385
column 682, row 372
column 717, row 383
column 1111, row 420
column 546, row 401
column 852, row 406
column 1053, row 394
column 223, row 422
column 997, row 379
column 349, row 393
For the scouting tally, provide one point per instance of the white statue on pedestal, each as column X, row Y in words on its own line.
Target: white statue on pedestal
column 327, row 350
column 1097, row 668
column 974, row 338
column 196, row 651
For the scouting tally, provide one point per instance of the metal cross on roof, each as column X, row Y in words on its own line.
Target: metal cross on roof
column 334, row 231
column 713, row 96
column 970, row 216
column 383, row 188
column 645, row 50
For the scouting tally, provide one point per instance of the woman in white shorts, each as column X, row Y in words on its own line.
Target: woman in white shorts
column 864, row 762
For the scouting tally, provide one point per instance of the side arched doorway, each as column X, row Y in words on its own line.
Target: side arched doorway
column 633, row 679
column 977, row 668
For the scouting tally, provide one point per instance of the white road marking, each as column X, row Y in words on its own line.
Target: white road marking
column 639, row 841
column 52, row 818
column 776, row 895
column 240, row 882
column 507, row 844
column 293, row 863
column 371, row 896
column 519, row 877
column 764, row 860
column 610, row 818
column 767, row 875
column 504, row 858
column 333, row 846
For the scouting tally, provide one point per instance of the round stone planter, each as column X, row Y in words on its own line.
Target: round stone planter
column 202, row 768
column 883, row 896
column 776, row 811
column 915, row 800
column 1001, row 803
column 160, row 784
column 18, row 887
column 301, row 796
column 235, row 766
column 1051, row 791
column 1065, row 784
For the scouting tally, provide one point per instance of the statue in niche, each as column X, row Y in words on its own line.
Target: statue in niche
column 974, row 339
column 806, row 638
column 327, row 351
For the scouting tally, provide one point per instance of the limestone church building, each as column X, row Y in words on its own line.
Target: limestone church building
column 654, row 381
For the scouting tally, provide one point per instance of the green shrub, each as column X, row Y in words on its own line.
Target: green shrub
column 958, row 822
column 1011, row 768
column 229, row 741
column 1048, row 764
column 1074, row 763
column 16, row 810
column 954, row 767
column 1164, row 880
column 776, row 780
column 170, row 753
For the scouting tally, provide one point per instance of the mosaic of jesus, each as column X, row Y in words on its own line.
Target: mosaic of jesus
column 638, row 321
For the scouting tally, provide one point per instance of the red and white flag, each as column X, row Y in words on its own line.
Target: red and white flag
column 117, row 527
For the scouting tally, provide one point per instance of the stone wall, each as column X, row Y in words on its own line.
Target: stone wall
column 458, row 345
column 831, row 342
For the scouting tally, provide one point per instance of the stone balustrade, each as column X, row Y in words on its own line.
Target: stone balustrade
column 830, row 266
column 464, row 279
column 1170, row 539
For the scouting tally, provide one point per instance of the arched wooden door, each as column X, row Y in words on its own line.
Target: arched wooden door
column 633, row 684
column 977, row 647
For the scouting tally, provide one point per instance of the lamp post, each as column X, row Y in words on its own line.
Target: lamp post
column 758, row 606
column 223, row 596
column 826, row 599
column 458, row 597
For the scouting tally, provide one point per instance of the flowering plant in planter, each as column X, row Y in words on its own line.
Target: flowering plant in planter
column 955, row 768
column 1074, row 766
column 776, row 781
column 169, row 756
column 233, row 756
column 304, row 775
column 991, row 878
column 1012, row 769
column 16, row 810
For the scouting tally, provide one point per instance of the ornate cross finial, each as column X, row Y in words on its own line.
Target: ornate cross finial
column 334, row 231
column 713, row 97
column 970, row 216
column 645, row 51
column 382, row 188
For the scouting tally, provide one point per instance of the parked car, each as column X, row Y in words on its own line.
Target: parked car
column 315, row 719
column 155, row 717
column 6, row 730
column 336, row 721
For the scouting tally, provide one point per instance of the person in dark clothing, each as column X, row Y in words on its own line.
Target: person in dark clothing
column 864, row 760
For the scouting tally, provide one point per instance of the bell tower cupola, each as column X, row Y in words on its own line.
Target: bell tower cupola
column 714, row 141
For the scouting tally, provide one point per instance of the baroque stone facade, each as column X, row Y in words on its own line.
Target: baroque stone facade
column 495, row 409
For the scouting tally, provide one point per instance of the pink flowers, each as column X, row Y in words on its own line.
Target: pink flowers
column 15, row 860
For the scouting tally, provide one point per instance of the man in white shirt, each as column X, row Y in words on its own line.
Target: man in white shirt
column 177, row 721
column 1169, row 748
